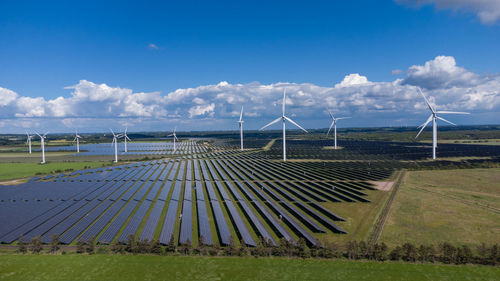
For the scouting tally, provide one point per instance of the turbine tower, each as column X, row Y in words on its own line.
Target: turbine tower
column 77, row 139
column 125, row 137
column 334, row 123
column 115, row 142
column 283, row 119
column 240, row 122
column 174, row 136
column 28, row 141
column 42, row 141
column 433, row 117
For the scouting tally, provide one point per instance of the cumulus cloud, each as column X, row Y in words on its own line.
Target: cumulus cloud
column 441, row 72
column 396, row 72
column 450, row 86
column 488, row 11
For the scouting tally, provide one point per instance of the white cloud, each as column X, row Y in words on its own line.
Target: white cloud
column 450, row 86
column 7, row 96
column 202, row 110
column 152, row 46
column 488, row 11
column 441, row 72
column 351, row 80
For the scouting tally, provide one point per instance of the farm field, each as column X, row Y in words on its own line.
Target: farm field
column 143, row 267
column 457, row 206
column 9, row 171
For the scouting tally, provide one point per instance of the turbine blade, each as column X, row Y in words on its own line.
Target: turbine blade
column 112, row 131
column 176, row 138
column 451, row 112
column 170, row 135
column 329, row 129
column 284, row 102
column 426, row 101
column 128, row 138
column 293, row 122
column 343, row 118
column 423, row 125
column 329, row 113
column 442, row 119
column 273, row 122
column 241, row 113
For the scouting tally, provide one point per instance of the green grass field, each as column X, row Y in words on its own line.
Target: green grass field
column 457, row 206
column 9, row 171
column 141, row 267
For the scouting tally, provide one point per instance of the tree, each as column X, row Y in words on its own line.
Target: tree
column 259, row 249
column 230, row 248
column 186, row 247
column 171, row 247
column 362, row 250
column 447, row 252
column 302, row 250
column 21, row 245
column 54, row 243
column 117, row 247
column 352, row 250
column 396, row 253
column 155, row 247
column 36, row 244
column 91, row 245
column 243, row 251
column 409, row 252
column 80, row 247
column 131, row 244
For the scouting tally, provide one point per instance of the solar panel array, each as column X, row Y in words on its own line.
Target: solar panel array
column 214, row 192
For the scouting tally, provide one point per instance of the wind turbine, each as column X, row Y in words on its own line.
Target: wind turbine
column 77, row 139
column 283, row 118
column 334, row 123
column 433, row 117
column 42, row 141
column 115, row 142
column 240, row 122
column 28, row 141
column 125, row 137
column 174, row 136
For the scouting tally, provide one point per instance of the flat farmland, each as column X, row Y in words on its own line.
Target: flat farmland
column 143, row 267
column 457, row 206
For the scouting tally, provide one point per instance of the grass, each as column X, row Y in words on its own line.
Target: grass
column 359, row 217
column 143, row 267
column 458, row 206
column 10, row 171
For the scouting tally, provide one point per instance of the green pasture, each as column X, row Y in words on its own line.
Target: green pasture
column 144, row 267
column 457, row 206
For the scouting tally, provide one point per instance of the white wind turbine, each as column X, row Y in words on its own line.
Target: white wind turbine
column 28, row 141
column 334, row 124
column 115, row 142
column 174, row 136
column 77, row 139
column 433, row 117
column 283, row 118
column 125, row 137
column 42, row 141
column 240, row 122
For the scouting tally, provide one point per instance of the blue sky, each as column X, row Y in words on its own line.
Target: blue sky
column 154, row 59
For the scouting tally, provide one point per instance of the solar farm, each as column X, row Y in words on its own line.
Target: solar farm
column 209, row 191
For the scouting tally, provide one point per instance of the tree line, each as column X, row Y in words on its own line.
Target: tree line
column 444, row 252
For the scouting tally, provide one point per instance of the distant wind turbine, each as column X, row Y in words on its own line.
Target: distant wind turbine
column 42, row 141
column 115, row 142
column 28, row 141
column 334, row 124
column 77, row 140
column 240, row 122
column 125, row 137
column 174, row 136
column 283, row 118
column 433, row 117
